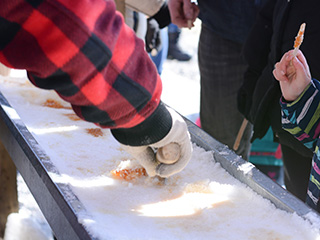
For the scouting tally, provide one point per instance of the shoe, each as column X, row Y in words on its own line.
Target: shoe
column 174, row 50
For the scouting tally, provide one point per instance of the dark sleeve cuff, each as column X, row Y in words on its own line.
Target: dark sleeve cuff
column 163, row 16
column 150, row 131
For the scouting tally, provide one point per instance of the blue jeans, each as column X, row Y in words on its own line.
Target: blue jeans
column 172, row 28
column 162, row 54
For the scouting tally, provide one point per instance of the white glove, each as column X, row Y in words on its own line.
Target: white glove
column 178, row 134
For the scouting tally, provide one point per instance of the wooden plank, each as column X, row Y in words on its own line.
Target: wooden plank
column 8, row 188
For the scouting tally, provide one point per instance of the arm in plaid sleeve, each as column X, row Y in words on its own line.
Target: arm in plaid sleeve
column 85, row 52
column 302, row 117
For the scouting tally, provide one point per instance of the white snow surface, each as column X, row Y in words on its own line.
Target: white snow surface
column 201, row 202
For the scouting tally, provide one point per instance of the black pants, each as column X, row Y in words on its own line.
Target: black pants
column 296, row 172
column 221, row 70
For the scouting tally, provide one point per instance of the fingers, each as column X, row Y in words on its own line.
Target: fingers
column 190, row 10
column 280, row 68
column 182, row 12
column 301, row 58
column 301, row 67
column 166, row 170
column 148, row 160
column 176, row 12
column 196, row 11
column 297, row 65
column 285, row 69
column 279, row 72
column 145, row 156
column 187, row 9
column 178, row 134
column 293, row 74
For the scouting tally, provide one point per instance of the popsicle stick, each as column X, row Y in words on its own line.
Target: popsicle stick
column 240, row 134
column 299, row 39
column 297, row 43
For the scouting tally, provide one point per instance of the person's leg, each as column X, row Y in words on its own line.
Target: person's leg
column 172, row 28
column 296, row 172
column 174, row 50
column 221, row 71
column 162, row 54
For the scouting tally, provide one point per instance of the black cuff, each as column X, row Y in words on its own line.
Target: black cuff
column 150, row 131
column 163, row 16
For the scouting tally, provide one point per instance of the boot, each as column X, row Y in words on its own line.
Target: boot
column 174, row 50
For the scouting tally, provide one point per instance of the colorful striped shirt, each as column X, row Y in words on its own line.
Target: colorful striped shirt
column 302, row 119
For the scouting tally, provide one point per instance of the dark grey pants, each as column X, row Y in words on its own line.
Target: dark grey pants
column 221, row 71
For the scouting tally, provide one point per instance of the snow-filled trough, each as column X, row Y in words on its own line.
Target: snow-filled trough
column 67, row 166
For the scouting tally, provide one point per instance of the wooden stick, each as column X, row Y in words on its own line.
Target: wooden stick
column 240, row 134
column 299, row 39
column 189, row 24
column 297, row 43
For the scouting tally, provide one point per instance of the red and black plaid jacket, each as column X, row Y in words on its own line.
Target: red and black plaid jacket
column 83, row 50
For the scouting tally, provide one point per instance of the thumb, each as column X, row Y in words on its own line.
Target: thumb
column 297, row 64
column 166, row 170
column 188, row 9
column 178, row 134
column 145, row 156
column 302, row 73
column 299, row 67
column 301, row 58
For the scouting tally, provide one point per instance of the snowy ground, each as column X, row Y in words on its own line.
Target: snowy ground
column 181, row 88
column 181, row 91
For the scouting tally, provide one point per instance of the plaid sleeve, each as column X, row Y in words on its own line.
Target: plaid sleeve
column 302, row 117
column 83, row 50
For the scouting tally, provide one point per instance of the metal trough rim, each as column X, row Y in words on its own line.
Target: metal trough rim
column 255, row 179
column 35, row 166
column 61, row 212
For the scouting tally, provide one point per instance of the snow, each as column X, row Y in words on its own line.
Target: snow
column 20, row 226
column 201, row 202
column 181, row 80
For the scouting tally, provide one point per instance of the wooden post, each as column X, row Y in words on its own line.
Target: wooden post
column 8, row 188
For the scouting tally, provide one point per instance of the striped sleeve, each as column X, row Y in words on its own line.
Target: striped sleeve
column 83, row 50
column 302, row 117
column 313, row 192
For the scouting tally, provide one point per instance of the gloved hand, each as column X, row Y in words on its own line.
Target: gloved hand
column 152, row 38
column 146, row 156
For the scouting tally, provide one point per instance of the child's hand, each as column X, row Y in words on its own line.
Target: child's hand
column 293, row 74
